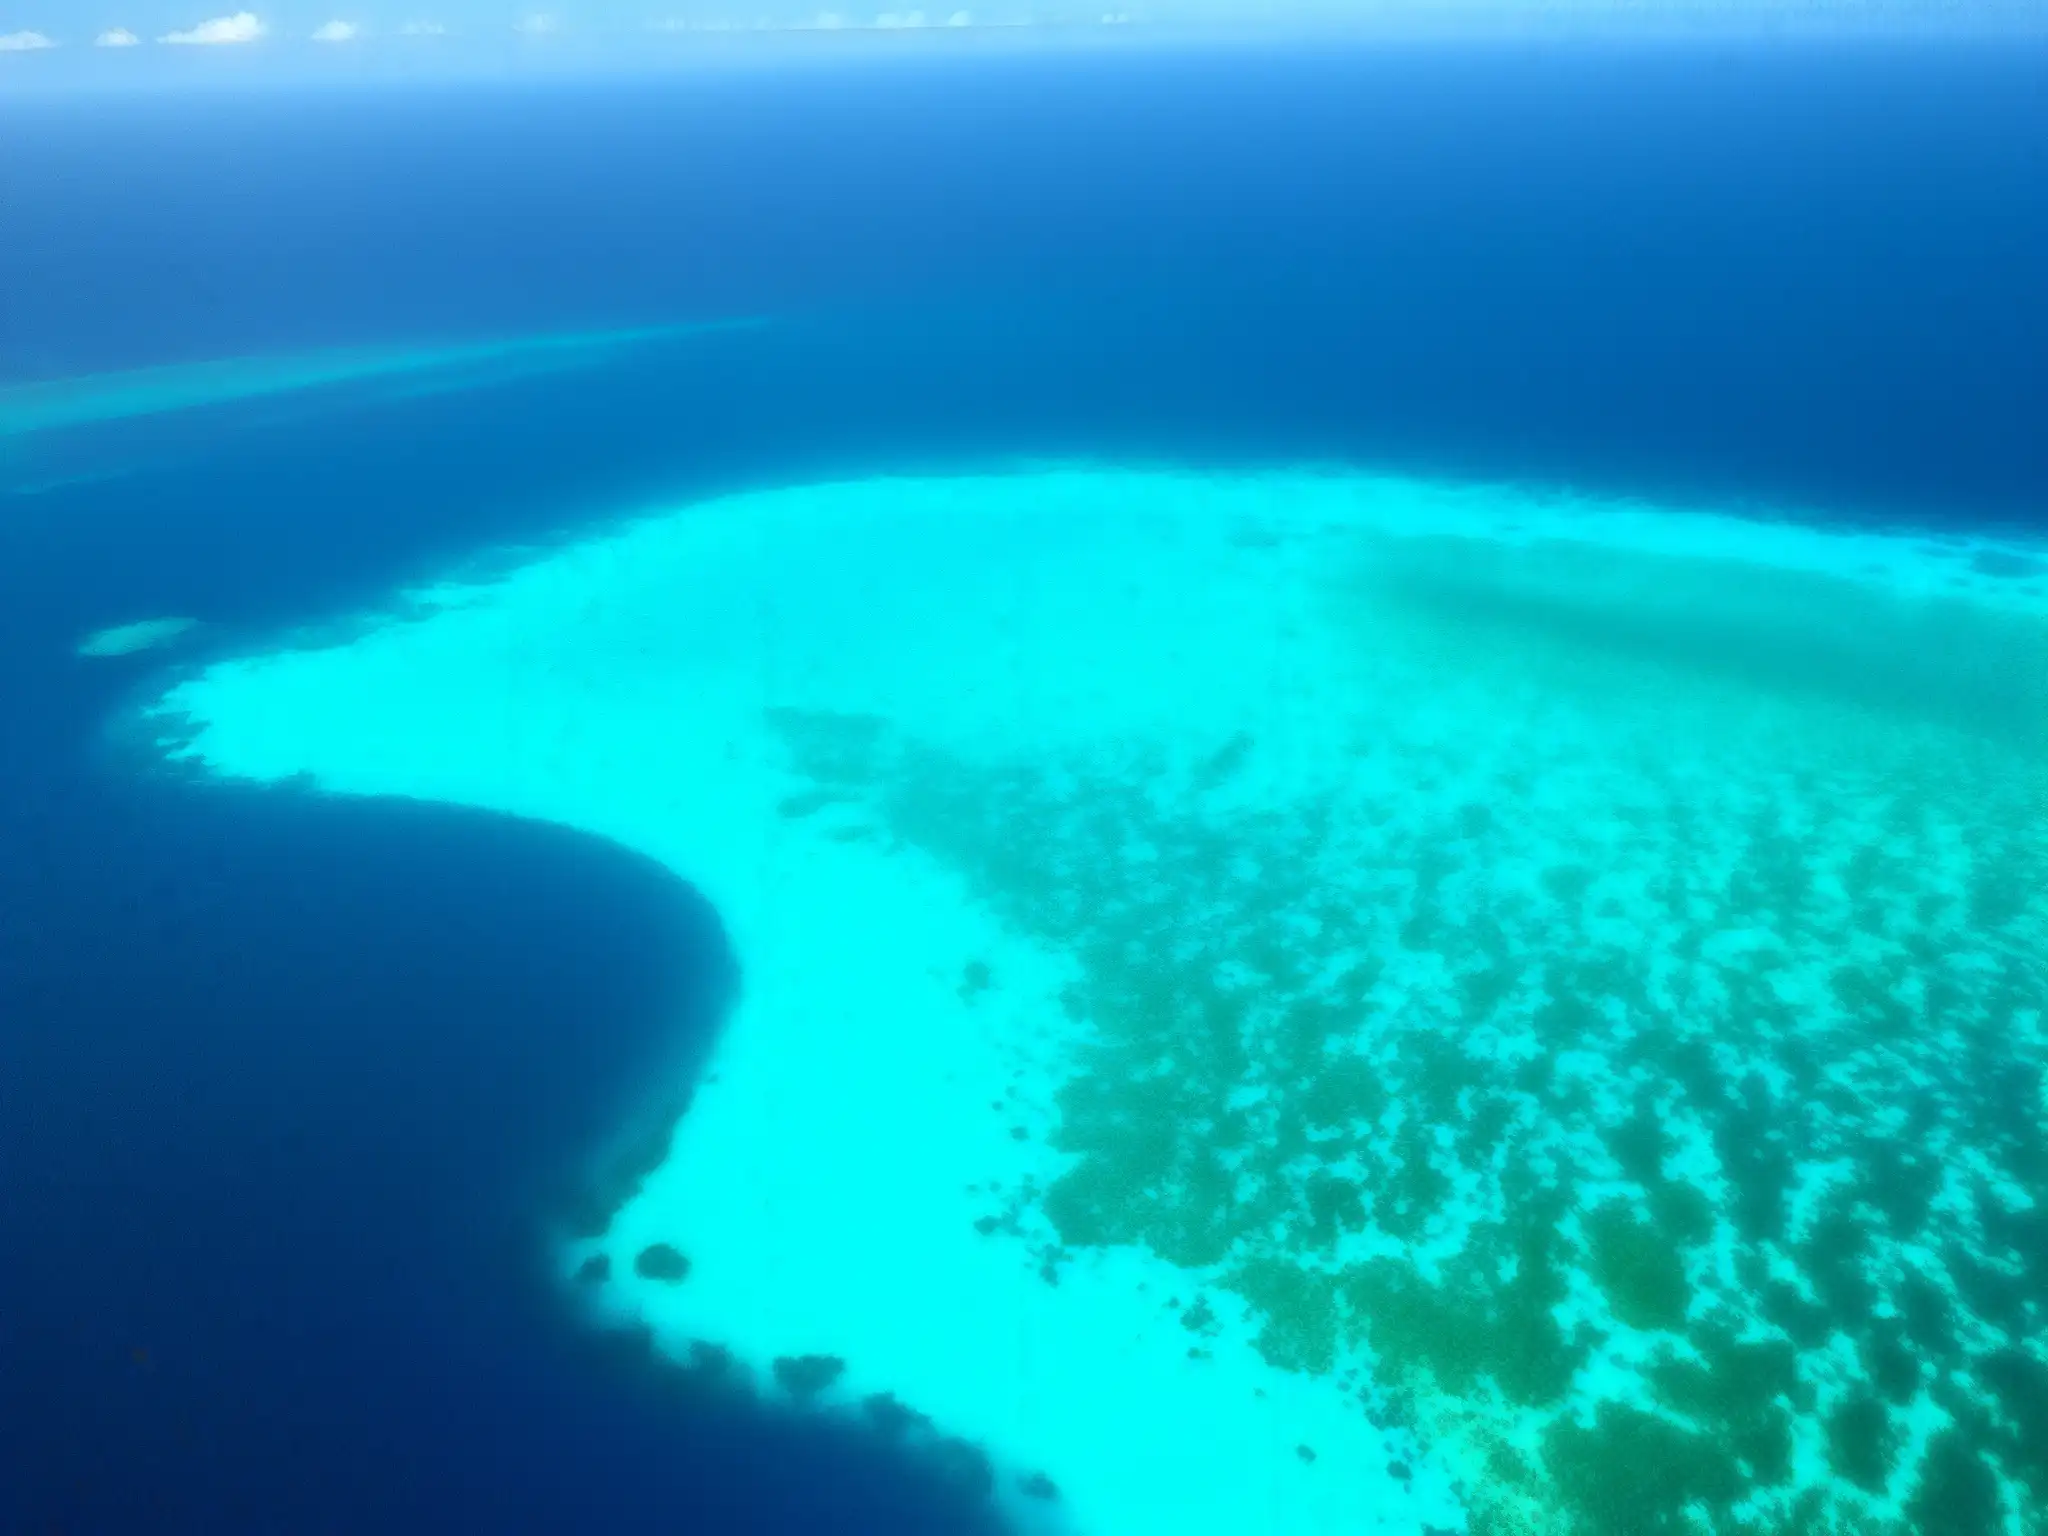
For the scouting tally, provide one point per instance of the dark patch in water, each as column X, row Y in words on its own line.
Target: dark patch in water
column 888, row 1414
column 807, row 1375
column 662, row 1261
column 2005, row 565
column 1037, row 1485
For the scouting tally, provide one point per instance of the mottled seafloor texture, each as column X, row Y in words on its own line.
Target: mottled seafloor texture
column 1304, row 1002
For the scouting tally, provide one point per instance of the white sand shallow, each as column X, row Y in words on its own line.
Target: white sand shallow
column 1029, row 800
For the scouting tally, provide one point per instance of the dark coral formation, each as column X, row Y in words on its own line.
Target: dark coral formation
column 1038, row 1486
column 805, row 1376
column 662, row 1261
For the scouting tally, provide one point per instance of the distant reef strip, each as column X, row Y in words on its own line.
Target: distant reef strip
column 53, row 404
column 142, row 635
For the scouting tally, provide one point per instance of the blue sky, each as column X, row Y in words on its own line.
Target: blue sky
column 448, row 29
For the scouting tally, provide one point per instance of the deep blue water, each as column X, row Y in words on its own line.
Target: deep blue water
column 288, row 1088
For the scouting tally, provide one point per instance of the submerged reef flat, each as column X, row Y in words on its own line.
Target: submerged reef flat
column 1306, row 1002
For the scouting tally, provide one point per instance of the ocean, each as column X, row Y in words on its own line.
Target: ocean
column 312, row 1053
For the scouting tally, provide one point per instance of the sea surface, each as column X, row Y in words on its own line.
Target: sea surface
column 296, row 1090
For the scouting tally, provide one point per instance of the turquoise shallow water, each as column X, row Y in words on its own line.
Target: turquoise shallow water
column 1323, row 1001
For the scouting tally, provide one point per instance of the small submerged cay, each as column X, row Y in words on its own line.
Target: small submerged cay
column 1304, row 1003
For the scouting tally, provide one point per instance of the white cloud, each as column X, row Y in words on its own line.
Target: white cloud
column 960, row 19
column 895, row 19
column 423, row 29
column 242, row 27
column 116, row 37
column 24, row 42
column 337, row 32
column 537, row 25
